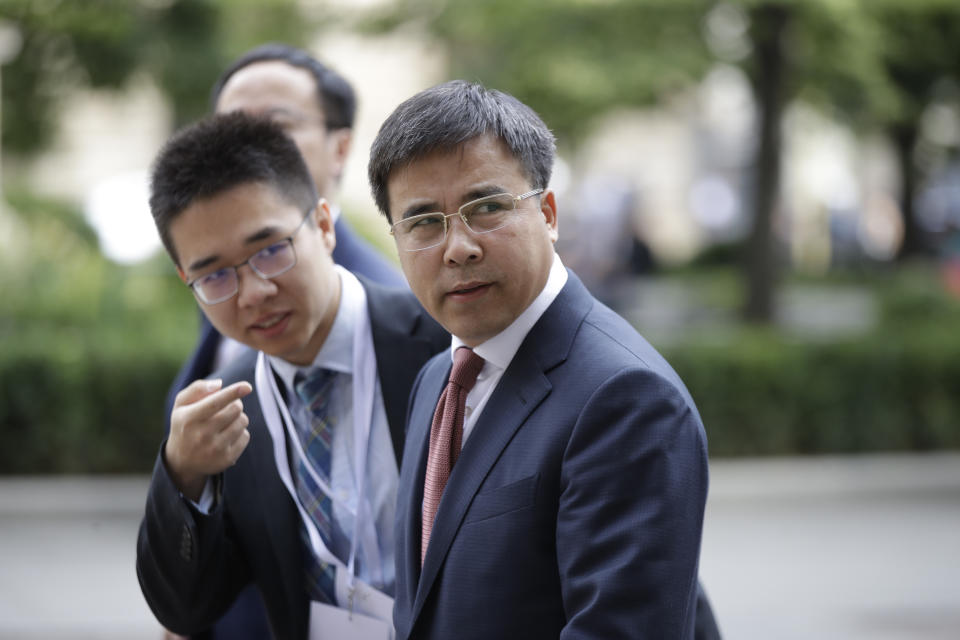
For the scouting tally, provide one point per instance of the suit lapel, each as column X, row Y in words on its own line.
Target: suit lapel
column 272, row 496
column 522, row 388
column 410, row 495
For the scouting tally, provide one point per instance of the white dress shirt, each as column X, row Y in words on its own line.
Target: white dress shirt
column 499, row 350
column 382, row 473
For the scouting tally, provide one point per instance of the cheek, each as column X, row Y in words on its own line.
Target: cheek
column 419, row 275
column 221, row 317
column 310, row 144
column 412, row 268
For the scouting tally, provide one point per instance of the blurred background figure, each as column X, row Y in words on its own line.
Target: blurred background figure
column 601, row 241
column 951, row 263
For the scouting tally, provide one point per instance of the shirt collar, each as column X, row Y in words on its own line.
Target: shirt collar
column 500, row 349
column 336, row 353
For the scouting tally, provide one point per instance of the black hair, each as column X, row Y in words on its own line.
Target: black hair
column 219, row 153
column 444, row 117
column 335, row 95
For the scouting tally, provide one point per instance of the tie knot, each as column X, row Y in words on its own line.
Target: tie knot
column 311, row 383
column 466, row 368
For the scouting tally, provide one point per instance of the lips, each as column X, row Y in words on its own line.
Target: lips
column 270, row 324
column 468, row 291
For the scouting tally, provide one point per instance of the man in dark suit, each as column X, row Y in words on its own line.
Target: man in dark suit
column 287, row 483
column 555, row 475
column 316, row 106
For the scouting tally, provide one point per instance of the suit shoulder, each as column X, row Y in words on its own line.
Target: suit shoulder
column 608, row 339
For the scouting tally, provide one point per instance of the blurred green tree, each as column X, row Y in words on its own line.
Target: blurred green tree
column 920, row 55
column 182, row 44
column 573, row 60
column 876, row 64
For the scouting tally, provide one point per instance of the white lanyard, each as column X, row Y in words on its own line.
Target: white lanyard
column 278, row 421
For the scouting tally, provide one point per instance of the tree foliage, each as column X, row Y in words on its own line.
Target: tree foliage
column 871, row 63
column 571, row 60
column 182, row 44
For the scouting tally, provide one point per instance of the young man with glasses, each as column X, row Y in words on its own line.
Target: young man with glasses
column 282, row 470
column 555, row 472
column 316, row 107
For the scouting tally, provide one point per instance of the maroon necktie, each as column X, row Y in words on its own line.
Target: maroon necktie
column 446, row 435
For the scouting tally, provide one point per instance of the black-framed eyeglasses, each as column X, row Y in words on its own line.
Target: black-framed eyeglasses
column 428, row 230
column 269, row 262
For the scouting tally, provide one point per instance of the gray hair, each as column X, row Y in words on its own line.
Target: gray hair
column 444, row 117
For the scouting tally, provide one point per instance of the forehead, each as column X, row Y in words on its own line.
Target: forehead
column 444, row 176
column 225, row 222
column 269, row 85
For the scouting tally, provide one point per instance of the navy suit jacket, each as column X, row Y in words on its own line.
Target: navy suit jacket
column 575, row 508
column 351, row 252
column 192, row 566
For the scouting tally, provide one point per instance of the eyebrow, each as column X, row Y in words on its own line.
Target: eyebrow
column 202, row 262
column 253, row 238
column 483, row 192
column 470, row 196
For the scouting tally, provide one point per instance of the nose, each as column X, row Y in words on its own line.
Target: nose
column 252, row 288
column 460, row 246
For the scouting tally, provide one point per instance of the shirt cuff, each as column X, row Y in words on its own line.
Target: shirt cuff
column 208, row 499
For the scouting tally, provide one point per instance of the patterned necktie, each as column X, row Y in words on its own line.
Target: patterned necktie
column 446, row 435
column 316, row 437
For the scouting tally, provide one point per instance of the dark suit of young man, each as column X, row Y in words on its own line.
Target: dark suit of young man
column 192, row 566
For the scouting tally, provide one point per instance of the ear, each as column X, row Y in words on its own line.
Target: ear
column 323, row 218
column 340, row 141
column 548, row 209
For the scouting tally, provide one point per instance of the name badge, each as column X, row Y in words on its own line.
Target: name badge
column 365, row 614
column 361, row 597
column 333, row 623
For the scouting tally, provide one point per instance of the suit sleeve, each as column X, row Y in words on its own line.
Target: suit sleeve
column 198, row 365
column 186, row 564
column 630, row 513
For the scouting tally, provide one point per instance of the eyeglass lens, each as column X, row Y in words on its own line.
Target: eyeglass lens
column 266, row 263
column 482, row 216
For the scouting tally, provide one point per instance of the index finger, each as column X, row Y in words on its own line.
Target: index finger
column 196, row 390
column 209, row 405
